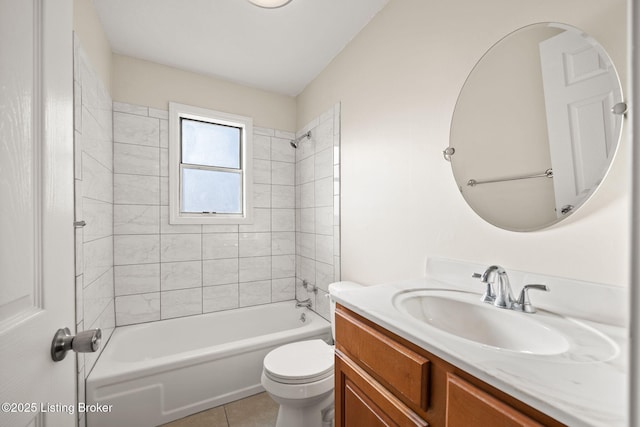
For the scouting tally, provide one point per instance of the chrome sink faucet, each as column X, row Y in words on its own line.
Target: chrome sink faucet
column 498, row 290
column 497, row 281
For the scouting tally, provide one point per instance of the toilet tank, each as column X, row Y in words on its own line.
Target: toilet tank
column 336, row 288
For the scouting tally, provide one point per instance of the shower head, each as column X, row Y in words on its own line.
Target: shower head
column 294, row 142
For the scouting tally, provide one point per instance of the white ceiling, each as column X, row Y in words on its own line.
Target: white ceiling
column 280, row 50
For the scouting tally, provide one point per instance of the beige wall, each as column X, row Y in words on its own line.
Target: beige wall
column 136, row 81
column 93, row 38
column 398, row 82
column 146, row 83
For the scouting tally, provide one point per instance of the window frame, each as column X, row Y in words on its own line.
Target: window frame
column 177, row 112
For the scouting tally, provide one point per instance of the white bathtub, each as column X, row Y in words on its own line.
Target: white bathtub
column 157, row 372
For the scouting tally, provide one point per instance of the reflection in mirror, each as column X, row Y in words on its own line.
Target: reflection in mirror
column 536, row 126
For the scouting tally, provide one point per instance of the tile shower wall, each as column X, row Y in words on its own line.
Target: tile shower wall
column 93, row 145
column 164, row 271
column 318, row 209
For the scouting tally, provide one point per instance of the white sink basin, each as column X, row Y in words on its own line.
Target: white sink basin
column 462, row 315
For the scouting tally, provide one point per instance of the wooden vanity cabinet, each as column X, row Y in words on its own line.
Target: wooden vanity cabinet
column 384, row 380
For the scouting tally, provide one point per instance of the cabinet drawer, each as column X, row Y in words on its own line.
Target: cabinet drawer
column 362, row 402
column 468, row 406
column 399, row 368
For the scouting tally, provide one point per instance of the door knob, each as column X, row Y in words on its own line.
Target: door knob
column 84, row 342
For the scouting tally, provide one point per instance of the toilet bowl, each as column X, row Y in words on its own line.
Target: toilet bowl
column 300, row 377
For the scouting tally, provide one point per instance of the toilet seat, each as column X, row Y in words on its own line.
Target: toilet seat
column 300, row 362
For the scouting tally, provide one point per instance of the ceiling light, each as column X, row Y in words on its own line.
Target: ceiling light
column 270, row 4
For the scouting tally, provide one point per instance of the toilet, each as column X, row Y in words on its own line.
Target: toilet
column 299, row 376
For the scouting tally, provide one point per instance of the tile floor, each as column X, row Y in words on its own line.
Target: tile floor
column 254, row 411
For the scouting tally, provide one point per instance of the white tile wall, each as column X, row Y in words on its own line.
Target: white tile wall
column 137, row 279
column 183, row 302
column 97, row 257
column 136, row 129
column 261, row 221
column 282, row 173
column 282, row 289
column 136, row 159
column 97, row 179
column 220, row 271
column 221, row 245
column 164, row 270
column 136, row 189
column 261, row 147
column 283, row 196
column 283, row 220
column 255, row 244
column 137, row 308
column 253, row 293
column 318, row 208
column 180, row 275
column 96, row 297
column 93, row 170
column 283, row 243
column 281, row 149
column 136, row 249
column 180, row 247
column 255, row 268
column 99, row 218
column 221, row 297
column 136, row 219
column 283, row 266
column 262, row 195
column 324, row 220
column 261, row 171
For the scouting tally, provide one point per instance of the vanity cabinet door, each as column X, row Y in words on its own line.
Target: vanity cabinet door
column 363, row 402
column 469, row 406
column 400, row 369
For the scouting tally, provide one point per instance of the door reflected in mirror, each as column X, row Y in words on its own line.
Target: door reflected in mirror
column 536, row 126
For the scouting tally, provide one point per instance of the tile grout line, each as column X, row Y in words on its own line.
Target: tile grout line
column 159, row 220
column 226, row 416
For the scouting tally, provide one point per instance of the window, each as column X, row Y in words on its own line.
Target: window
column 209, row 166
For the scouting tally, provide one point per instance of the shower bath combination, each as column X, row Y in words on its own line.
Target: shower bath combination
column 294, row 143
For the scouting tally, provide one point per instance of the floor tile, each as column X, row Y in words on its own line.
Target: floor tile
column 254, row 411
column 215, row 417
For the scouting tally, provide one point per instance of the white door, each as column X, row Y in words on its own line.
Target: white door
column 36, row 211
column 580, row 87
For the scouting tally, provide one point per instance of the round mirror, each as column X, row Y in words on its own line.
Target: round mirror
column 536, row 126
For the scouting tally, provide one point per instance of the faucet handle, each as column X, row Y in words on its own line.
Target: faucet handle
column 524, row 303
column 489, row 295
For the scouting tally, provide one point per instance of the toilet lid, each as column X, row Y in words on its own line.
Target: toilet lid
column 300, row 362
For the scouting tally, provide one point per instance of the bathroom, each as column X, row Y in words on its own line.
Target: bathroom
column 385, row 101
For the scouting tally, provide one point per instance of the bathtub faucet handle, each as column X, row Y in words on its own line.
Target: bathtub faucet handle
column 309, row 287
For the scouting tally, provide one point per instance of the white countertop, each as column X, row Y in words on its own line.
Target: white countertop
column 572, row 388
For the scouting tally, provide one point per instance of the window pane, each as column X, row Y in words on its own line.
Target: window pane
column 211, row 191
column 210, row 144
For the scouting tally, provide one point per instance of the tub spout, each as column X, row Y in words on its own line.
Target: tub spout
column 306, row 303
